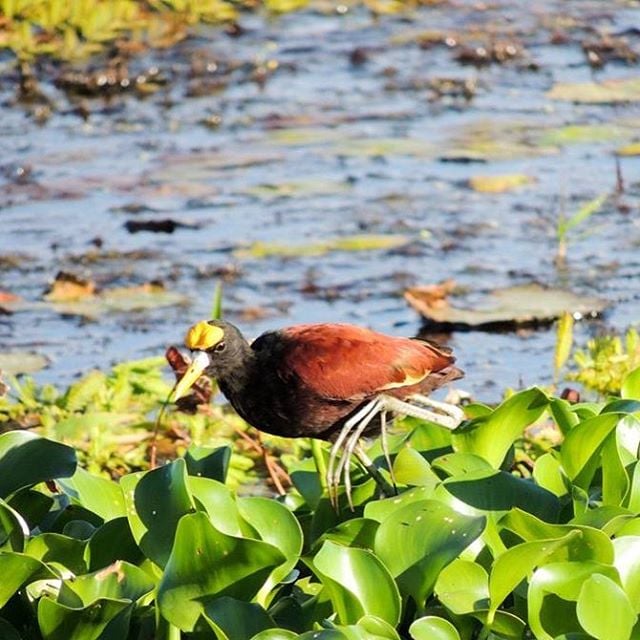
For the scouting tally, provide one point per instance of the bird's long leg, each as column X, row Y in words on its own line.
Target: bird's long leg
column 385, row 447
column 450, row 409
column 408, row 409
column 352, row 441
column 332, row 485
column 372, row 470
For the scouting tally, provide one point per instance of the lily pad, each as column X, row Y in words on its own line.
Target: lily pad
column 607, row 92
column 19, row 362
column 509, row 308
column 500, row 183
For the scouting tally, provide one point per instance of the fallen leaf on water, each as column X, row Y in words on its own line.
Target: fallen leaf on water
column 517, row 306
column 20, row 362
column 499, row 184
column 608, row 91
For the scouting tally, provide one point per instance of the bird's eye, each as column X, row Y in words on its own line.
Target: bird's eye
column 221, row 346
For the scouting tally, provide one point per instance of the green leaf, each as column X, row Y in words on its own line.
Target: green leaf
column 26, row 459
column 548, row 474
column 491, row 436
column 241, row 568
column 111, row 542
column 563, row 414
column 17, row 569
column 236, row 620
column 13, row 528
column 357, row 583
column 381, row 509
column 59, row 622
column 460, row 464
column 463, row 587
column 208, row 462
column 276, row 634
column 627, row 562
column 356, row 532
column 156, row 500
column 58, row 548
column 604, row 611
column 433, row 628
column 410, row 468
column 631, row 385
column 419, row 540
column 103, row 497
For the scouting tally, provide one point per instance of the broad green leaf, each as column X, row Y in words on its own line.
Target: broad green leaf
column 610, row 520
column 548, row 474
column 631, row 385
column 241, row 568
column 410, row 468
column 550, row 617
column 119, row 581
column 627, row 562
column 236, row 620
column 381, row 509
column 563, row 414
column 517, row 563
column 13, row 528
column 501, row 491
column 419, row 540
column 584, row 442
column 97, row 494
column 60, row 622
column 357, row 532
column 604, row 611
column 377, row 628
column 208, row 462
column 357, row 583
column 17, row 569
column 463, row 587
column 58, row 548
column 32, row 505
column 156, row 500
column 492, row 436
column 433, row 628
column 26, row 459
column 460, row 463
column 111, row 542
column 591, row 544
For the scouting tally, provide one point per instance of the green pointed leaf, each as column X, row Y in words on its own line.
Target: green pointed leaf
column 103, row 497
column 26, row 459
column 604, row 611
column 236, row 620
column 208, row 462
column 18, row 569
column 241, row 568
column 433, row 628
column 156, row 500
column 419, row 540
column 492, row 436
column 357, row 583
column 631, row 385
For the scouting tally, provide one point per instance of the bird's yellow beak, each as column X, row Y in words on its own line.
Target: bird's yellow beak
column 200, row 362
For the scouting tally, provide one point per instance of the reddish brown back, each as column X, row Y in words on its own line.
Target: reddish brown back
column 347, row 362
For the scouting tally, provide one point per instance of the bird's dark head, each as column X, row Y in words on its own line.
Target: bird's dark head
column 218, row 350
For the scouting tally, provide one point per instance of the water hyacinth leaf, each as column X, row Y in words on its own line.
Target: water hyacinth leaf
column 32, row 505
column 377, row 628
column 610, row 520
column 627, row 562
column 97, row 494
column 410, row 468
column 357, row 583
column 17, row 569
column 26, row 459
column 276, row 634
column 615, row 481
column 356, row 532
column 60, row 622
column 60, row 549
column 241, row 566
column 501, row 491
column 631, row 385
column 492, row 436
column 419, row 540
column 463, row 587
column 111, row 542
column 591, row 544
column 13, row 528
column 208, row 462
column 551, row 617
column 119, row 581
column 548, row 474
column 515, row 564
column 583, row 443
column 380, row 510
column 433, row 628
column 563, row 414
column 156, row 500
column 233, row 619
column 604, row 610
column 460, row 464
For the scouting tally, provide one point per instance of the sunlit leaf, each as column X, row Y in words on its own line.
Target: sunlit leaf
column 433, row 628
column 103, row 497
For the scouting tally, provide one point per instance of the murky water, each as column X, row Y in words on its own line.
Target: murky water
column 333, row 144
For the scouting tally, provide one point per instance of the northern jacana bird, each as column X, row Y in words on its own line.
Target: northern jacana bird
column 335, row 382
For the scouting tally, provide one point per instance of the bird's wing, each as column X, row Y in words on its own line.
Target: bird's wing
column 347, row 362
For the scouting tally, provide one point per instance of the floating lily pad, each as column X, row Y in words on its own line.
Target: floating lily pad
column 499, row 184
column 518, row 306
column 609, row 91
column 17, row 362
